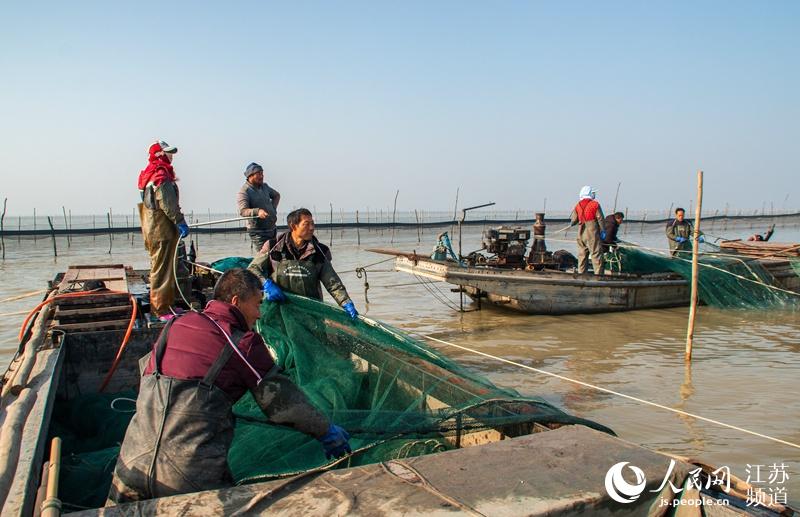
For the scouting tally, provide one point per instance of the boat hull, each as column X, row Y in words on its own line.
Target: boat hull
column 554, row 292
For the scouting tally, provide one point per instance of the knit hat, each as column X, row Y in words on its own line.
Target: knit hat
column 252, row 169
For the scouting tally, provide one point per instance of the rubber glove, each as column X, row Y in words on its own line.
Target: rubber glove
column 273, row 292
column 183, row 230
column 680, row 240
column 701, row 239
column 602, row 235
column 350, row 309
column 335, row 442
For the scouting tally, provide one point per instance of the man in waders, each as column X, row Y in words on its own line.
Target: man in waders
column 299, row 263
column 201, row 364
column 257, row 199
column 162, row 225
column 679, row 234
column 588, row 214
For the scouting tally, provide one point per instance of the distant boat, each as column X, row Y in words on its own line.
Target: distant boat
column 549, row 291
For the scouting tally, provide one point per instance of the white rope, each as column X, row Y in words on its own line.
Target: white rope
column 605, row 390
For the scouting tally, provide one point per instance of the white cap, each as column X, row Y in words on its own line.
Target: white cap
column 587, row 192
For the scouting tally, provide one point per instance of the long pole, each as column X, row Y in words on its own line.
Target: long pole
column 221, row 221
column 51, row 507
column 53, row 235
column 695, row 269
column 2, row 229
column 616, row 196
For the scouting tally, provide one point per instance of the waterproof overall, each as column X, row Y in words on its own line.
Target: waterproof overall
column 300, row 275
column 591, row 220
column 677, row 229
column 160, row 214
column 178, row 440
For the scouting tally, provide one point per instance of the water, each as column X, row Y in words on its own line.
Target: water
column 744, row 370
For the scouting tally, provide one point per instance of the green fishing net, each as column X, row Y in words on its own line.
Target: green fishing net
column 725, row 282
column 227, row 263
column 395, row 396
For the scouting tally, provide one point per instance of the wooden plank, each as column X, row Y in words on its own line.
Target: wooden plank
column 62, row 313
column 93, row 325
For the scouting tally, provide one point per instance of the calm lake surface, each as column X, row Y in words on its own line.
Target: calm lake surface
column 744, row 372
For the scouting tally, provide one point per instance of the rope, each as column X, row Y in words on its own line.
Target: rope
column 26, row 295
column 605, row 390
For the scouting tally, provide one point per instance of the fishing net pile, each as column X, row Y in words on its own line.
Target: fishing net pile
column 396, row 397
column 725, row 282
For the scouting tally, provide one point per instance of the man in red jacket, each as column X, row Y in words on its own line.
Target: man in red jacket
column 588, row 214
column 202, row 363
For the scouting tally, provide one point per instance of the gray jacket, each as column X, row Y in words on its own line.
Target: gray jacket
column 248, row 201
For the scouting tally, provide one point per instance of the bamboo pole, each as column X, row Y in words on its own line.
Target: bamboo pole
column 110, row 237
column 34, row 224
column 416, row 215
column 394, row 213
column 51, row 507
column 53, row 235
column 358, row 230
column 330, row 221
column 2, row 229
column 695, row 269
column 66, row 227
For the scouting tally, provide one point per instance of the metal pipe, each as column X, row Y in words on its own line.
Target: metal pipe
column 220, row 221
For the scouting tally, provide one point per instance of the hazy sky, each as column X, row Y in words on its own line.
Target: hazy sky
column 345, row 102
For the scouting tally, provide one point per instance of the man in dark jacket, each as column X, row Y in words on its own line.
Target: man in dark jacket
column 258, row 200
column 612, row 227
column 679, row 234
column 202, row 363
column 298, row 263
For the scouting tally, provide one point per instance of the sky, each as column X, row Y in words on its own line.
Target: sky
column 348, row 102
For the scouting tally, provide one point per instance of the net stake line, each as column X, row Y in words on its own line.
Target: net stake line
column 611, row 392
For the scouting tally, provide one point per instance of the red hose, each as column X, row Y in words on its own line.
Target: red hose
column 125, row 339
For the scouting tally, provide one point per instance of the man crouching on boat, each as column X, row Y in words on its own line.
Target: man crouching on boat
column 201, row 364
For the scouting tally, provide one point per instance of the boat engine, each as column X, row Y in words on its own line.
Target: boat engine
column 508, row 244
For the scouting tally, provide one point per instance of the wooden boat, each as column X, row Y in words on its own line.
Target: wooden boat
column 73, row 347
column 549, row 291
column 553, row 292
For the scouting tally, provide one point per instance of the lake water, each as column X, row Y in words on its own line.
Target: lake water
column 744, row 371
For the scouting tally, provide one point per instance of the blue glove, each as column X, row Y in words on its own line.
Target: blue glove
column 335, row 442
column 701, row 239
column 273, row 292
column 680, row 240
column 350, row 309
column 602, row 235
column 183, row 230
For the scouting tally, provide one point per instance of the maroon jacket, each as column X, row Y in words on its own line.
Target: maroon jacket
column 194, row 343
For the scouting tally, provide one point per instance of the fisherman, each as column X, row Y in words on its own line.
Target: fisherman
column 588, row 214
column 612, row 223
column 765, row 237
column 298, row 263
column 162, row 223
column 679, row 234
column 257, row 199
column 201, row 364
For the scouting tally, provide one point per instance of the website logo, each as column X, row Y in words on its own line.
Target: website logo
column 619, row 489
